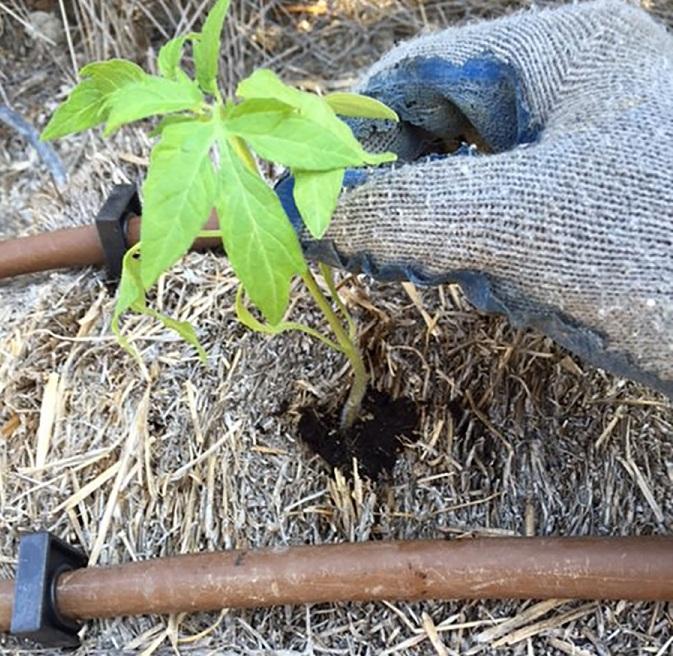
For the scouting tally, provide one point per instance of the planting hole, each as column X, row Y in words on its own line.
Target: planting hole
column 375, row 441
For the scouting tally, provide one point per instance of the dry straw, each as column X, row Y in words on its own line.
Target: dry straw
column 517, row 437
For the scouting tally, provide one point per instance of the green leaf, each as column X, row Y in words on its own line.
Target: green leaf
column 171, row 119
column 207, row 48
column 265, row 84
column 179, row 194
column 130, row 293
column 357, row 105
column 323, row 128
column 249, row 321
column 149, row 96
column 82, row 110
column 316, row 194
column 182, row 328
column 281, row 134
column 257, row 116
column 259, row 240
column 112, row 74
column 85, row 107
column 131, row 296
column 170, row 55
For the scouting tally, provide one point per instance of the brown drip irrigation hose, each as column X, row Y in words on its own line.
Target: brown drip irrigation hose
column 631, row 568
column 70, row 247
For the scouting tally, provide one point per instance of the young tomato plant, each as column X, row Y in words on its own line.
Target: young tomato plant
column 204, row 159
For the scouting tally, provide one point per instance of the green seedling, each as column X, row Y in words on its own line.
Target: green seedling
column 206, row 157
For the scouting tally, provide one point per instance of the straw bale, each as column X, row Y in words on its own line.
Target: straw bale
column 516, row 436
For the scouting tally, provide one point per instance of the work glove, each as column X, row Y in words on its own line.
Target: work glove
column 561, row 218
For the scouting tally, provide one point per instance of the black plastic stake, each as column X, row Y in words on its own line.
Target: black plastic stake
column 112, row 224
column 42, row 559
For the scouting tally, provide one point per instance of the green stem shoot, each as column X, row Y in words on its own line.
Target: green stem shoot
column 242, row 150
column 353, row 404
column 328, row 275
column 345, row 337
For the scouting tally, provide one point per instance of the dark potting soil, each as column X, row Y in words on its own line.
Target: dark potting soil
column 376, row 440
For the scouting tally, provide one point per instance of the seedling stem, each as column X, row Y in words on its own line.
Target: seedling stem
column 345, row 337
column 353, row 404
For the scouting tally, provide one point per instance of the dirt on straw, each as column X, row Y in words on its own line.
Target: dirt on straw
column 516, row 436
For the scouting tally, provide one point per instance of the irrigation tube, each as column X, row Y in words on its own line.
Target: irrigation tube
column 630, row 568
column 71, row 247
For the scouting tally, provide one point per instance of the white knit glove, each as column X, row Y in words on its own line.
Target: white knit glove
column 568, row 225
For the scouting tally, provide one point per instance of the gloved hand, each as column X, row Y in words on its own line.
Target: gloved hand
column 567, row 225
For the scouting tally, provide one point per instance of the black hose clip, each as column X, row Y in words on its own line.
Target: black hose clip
column 112, row 225
column 42, row 559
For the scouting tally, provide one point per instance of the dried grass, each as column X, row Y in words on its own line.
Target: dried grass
column 518, row 437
